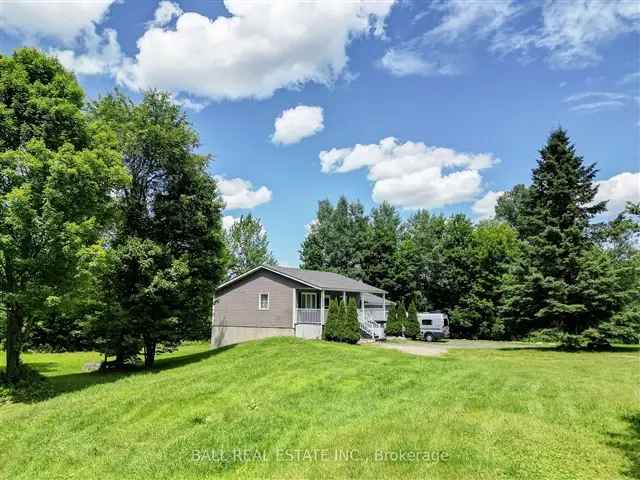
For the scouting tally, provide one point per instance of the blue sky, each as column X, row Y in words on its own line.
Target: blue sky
column 440, row 105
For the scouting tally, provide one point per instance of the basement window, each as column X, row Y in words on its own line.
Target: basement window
column 263, row 301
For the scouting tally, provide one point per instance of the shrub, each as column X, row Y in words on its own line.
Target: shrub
column 350, row 324
column 393, row 328
column 331, row 325
column 412, row 327
column 545, row 335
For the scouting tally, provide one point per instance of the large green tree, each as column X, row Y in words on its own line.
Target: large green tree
column 381, row 249
column 548, row 288
column 168, row 253
column 512, row 206
column 58, row 176
column 248, row 245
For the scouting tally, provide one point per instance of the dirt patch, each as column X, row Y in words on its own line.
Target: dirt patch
column 415, row 348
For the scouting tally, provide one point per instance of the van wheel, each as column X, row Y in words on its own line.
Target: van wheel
column 428, row 337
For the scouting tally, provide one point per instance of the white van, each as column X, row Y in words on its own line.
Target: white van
column 433, row 326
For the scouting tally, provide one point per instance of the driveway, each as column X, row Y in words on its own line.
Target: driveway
column 435, row 349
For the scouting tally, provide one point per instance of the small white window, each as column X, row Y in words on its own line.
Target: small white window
column 263, row 301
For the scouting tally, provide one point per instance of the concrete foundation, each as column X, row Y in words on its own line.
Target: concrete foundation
column 309, row 330
column 223, row 335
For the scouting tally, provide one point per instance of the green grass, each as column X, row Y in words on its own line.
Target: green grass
column 495, row 413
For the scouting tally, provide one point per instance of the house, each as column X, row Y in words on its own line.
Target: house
column 281, row 301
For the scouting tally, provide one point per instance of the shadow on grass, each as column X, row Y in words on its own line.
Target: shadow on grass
column 557, row 348
column 629, row 444
column 48, row 387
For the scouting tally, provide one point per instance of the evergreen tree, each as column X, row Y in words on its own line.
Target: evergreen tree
column 393, row 328
column 333, row 317
column 412, row 328
column 401, row 319
column 559, row 206
column 351, row 327
column 248, row 246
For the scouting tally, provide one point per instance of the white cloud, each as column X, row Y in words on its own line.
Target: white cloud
column 239, row 193
column 63, row 20
column 402, row 62
column 257, row 49
column 165, row 12
column 228, row 221
column 297, row 123
column 618, row 190
column 596, row 101
column 412, row 174
column 485, row 207
column 102, row 53
column 630, row 78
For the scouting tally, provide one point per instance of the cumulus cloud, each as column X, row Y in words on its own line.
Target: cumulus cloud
column 257, row 49
column 62, row 20
column 165, row 12
column 239, row 193
column 485, row 207
column 102, row 53
column 618, row 190
column 297, row 123
column 412, row 174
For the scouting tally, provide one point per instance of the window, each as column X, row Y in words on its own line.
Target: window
column 308, row 300
column 263, row 301
column 426, row 323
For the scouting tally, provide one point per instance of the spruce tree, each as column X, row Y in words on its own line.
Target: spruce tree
column 341, row 321
column 543, row 291
column 351, row 327
column 412, row 328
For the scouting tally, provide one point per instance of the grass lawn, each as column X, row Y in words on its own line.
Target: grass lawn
column 283, row 407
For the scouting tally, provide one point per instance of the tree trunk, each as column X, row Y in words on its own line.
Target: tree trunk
column 14, row 344
column 149, row 353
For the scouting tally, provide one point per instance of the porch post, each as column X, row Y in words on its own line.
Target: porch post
column 294, row 311
column 362, row 305
column 321, row 307
column 344, row 297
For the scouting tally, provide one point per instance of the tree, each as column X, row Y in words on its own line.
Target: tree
column 511, row 207
column 336, row 239
column 168, row 254
column 493, row 249
column 393, row 328
column 559, row 207
column 58, row 177
column 401, row 319
column 412, row 328
column 381, row 249
column 248, row 246
column 351, row 327
column 331, row 325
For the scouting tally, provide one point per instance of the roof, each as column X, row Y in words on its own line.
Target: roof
column 372, row 299
column 314, row 279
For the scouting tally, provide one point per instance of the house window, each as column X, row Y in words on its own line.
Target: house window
column 309, row 300
column 263, row 301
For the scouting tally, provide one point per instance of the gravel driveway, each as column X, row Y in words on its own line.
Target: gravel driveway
column 435, row 349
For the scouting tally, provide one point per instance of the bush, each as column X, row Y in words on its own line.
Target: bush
column 350, row 331
column 624, row 327
column 393, row 327
column 412, row 327
column 332, row 323
column 545, row 335
column 590, row 339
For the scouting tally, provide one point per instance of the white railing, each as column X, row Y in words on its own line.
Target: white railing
column 369, row 322
column 309, row 315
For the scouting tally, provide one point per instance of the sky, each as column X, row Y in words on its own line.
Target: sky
column 439, row 105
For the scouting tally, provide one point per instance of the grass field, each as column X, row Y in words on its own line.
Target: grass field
column 284, row 408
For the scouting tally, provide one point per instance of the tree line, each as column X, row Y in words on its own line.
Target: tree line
column 542, row 267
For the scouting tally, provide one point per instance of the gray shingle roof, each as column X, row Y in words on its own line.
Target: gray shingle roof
column 326, row 280
column 371, row 299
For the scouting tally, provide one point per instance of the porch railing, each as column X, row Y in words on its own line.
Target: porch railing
column 310, row 315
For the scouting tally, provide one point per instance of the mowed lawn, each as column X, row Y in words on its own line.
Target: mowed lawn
column 286, row 408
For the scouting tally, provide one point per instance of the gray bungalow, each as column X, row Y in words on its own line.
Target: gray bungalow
column 281, row 301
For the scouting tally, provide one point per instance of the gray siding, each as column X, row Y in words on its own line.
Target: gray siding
column 237, row 304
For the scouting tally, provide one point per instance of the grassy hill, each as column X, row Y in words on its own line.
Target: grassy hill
column 285, row 408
